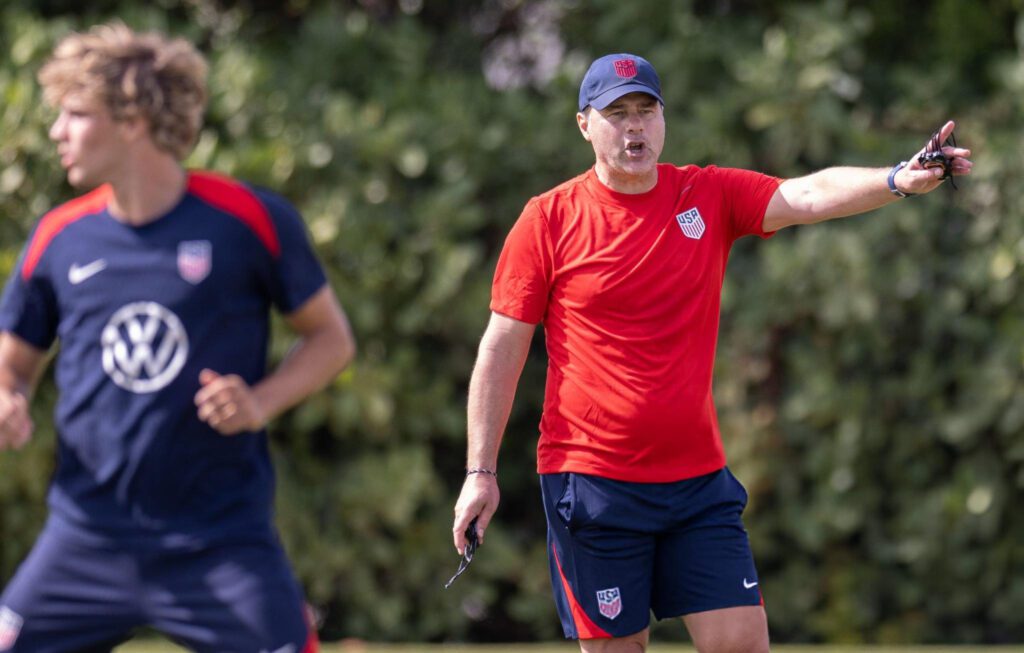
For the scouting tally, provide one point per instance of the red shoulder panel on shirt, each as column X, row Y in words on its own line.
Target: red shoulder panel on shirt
column 231, row 196
column 55, row 221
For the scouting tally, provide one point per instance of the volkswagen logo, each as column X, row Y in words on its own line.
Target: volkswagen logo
column 144, row 347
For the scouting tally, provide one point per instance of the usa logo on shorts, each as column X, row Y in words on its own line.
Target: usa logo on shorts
column 10, row 627
column 691, row 223
column 609, row 602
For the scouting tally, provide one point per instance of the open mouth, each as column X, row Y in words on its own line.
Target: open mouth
column 634, row 148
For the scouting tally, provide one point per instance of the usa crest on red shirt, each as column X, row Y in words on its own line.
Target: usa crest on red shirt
column 691, row 223
column 609, row 602
column 625, row 68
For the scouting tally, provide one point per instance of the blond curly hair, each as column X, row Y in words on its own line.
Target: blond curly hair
column 147, row 75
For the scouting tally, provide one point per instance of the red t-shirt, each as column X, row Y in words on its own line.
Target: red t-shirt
column 628, row 288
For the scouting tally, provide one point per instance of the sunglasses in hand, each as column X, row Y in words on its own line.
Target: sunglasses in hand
column 467, row 555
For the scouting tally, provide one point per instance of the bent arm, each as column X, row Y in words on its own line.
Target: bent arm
column 325, row 346
column 492, row 387
column 21, row 365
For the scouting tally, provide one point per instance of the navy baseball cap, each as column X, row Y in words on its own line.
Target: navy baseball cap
column 614, row 75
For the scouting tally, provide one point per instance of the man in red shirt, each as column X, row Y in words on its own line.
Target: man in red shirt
column 623, row 265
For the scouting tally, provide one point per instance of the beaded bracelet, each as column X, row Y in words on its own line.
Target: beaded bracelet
column 481, row 470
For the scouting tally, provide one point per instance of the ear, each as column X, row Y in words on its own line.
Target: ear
column 583, row 122
column 134, row 128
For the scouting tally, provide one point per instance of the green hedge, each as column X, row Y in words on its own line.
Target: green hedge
column 869, row 374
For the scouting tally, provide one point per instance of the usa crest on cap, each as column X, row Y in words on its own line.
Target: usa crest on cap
column 625, row 68
column 614, row 75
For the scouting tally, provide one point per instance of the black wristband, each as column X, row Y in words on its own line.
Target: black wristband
column 892, row 180
column 481, row 470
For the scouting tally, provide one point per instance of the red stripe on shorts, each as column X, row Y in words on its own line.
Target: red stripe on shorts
column 585, row 628
column 312, row 642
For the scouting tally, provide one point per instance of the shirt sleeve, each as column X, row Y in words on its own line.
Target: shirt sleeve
column 297, row 273
column 522, row 279
column 28, row 308
column 745, row 196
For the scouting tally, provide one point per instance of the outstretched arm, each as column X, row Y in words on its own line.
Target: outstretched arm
column 499, row 363
column 843, row 191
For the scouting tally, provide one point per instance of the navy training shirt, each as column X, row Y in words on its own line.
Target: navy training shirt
column 140, row 311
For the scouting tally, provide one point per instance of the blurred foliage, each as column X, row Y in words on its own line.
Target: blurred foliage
column 870, row 370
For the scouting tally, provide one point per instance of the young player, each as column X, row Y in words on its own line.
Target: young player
column 157, row 283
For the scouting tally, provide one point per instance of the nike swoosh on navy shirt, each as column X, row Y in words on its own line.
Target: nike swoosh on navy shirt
column 79, row 273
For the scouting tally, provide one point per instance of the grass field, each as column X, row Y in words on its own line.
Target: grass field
column 155, row 646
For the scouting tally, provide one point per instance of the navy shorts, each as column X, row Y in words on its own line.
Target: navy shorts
column 619, row 550
column 74, row 594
